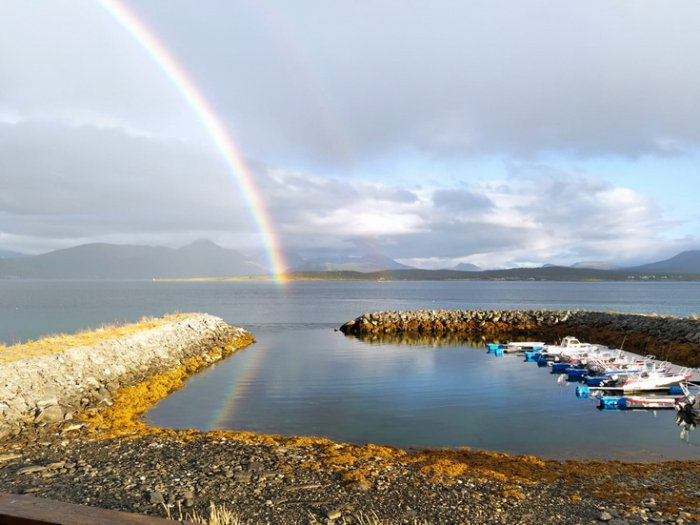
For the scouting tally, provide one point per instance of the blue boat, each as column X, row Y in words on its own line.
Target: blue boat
column 492, row 347
column 595, row 380
column 576, row 374
column 560, row 368
column 642, row 401
column 584, row 391
column 532, row 356
column 612, row 402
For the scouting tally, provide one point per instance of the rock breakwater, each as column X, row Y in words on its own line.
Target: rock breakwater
column 55, row 387
column 667, row 337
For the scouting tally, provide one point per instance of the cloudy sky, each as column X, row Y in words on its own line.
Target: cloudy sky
column 501, row 133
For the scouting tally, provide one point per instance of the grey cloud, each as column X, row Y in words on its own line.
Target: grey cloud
column 496, row 77
column 342, row 82
column 461, row 200
column 71, row 58
column 62, row 181
column 458, row 240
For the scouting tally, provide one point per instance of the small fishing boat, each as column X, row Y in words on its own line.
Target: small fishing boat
column 600, row 370
column 498, row 349
column 569, row 345
column 655, row 378
column 628, row 402
column 522, row 346
column 516, row 346
column 584, row 391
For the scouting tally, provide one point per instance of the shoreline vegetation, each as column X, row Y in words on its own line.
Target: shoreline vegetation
column 59, row 342
column 105, row 455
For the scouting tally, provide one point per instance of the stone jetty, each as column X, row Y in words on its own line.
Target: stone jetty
column 55, row 387
column 675, row 339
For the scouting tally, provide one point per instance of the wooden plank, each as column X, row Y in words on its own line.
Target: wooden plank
column 16, row 509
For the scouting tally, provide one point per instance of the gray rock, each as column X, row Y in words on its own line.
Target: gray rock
column 156, row 497
column 334, row 514
column 50, row 414
column 243, row 477
column 31, row 469
column 188, row 496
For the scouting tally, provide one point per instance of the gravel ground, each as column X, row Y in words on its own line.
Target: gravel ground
column 297, row 481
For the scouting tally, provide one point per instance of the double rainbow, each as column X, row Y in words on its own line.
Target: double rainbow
column 213, row 125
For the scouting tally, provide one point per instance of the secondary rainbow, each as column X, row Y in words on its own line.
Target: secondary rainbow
column 213, row 125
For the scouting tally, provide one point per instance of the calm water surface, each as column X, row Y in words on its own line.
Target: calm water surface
column 301, row 377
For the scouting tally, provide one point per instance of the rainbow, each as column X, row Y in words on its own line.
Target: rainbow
column 248, row 366
column 213, row 125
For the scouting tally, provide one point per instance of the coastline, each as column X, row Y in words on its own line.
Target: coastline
column 119, row 462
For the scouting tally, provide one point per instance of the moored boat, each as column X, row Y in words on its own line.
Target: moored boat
column 516, row 346
column 522, row 346
column 629, row 402
column 569, row 345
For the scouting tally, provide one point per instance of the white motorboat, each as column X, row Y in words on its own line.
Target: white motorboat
column 569, row 346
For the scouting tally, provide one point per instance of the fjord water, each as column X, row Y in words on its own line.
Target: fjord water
column 303, row 378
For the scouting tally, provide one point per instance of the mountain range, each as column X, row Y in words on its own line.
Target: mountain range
column 684, row 262
column 354, row 263
column 109, row 261
column 8, row 254
column 203, row 259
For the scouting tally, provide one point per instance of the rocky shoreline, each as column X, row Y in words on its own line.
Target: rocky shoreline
column 57, row 386
column 294, row 481
column 105, row 456
column 676, row 339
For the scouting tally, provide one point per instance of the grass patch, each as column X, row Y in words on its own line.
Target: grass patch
column 60, row 342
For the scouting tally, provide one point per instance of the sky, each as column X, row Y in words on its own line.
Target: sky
column 498, row 133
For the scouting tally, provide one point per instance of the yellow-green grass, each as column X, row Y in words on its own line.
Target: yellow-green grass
column 59, row 342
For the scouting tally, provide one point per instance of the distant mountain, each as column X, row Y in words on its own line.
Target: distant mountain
column 110, row 261
column 8, row 254
column 466, row 267
column 548, row 273
column 553, row 273
column 684, row 262
column 350, row 263
column 595, row 265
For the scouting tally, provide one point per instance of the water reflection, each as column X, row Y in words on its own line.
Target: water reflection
column 414, row 339
column 688, row 413
column 688, row 409
column 449, row 393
